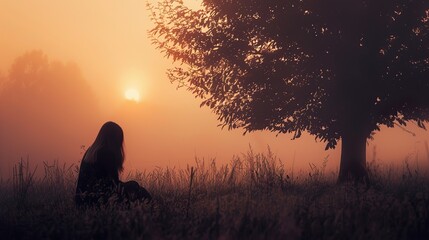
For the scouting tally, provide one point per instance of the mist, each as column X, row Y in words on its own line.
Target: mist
column 49, row 112
column 47, row 108
column 63, row 72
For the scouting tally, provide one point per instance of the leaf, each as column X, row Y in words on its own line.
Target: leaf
column 297, row 134
column 421, row 124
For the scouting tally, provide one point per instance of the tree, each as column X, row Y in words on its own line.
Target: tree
column 44, row 105
column 42, row 87
column 336, row 69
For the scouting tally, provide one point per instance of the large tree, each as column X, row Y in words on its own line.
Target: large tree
column 336, row 69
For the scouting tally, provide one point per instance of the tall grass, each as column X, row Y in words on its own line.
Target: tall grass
column 253, row 196
column 22, row 180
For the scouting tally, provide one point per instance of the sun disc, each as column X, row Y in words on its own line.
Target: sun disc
column 132, row 95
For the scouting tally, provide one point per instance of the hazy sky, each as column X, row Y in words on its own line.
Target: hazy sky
column 108, row 41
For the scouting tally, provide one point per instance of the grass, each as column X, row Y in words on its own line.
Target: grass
column 252, row 197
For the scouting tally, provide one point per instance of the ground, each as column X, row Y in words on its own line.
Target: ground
column 253, row 197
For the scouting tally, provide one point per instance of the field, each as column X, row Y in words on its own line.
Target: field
column 253, row 197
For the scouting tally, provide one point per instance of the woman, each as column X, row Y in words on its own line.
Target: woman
column 98, row 182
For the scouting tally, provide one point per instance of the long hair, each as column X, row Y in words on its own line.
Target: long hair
column 111, row 137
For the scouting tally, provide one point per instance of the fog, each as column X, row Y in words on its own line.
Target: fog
column 65, row 67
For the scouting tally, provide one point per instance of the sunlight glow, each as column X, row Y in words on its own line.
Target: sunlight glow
column 132, row 95
column 193, row 4
column 134, row 85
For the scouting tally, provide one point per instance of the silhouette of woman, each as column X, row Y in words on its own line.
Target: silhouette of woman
column 98, row 182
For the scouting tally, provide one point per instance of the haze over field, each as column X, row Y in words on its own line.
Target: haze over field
column 99, row 66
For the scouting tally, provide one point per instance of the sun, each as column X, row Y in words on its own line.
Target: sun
column 132, row 95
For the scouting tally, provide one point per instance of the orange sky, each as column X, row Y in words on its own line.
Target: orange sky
column 108, row 41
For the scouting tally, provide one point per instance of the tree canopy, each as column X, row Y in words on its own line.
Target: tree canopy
column 332, row 68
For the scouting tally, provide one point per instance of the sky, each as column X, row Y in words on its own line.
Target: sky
column 108, row 42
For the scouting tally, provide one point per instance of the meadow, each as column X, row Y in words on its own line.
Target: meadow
column 252, row 197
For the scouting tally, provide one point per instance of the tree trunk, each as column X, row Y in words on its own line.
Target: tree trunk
column 353, row 158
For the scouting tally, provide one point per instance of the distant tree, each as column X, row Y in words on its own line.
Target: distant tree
column 44, row 103
column 336, row 69
column 53, row 85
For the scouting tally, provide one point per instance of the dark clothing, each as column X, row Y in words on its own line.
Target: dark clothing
column 98, row 183
column 132, row 191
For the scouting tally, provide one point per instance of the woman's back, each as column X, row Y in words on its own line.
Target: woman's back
column 96, row 177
